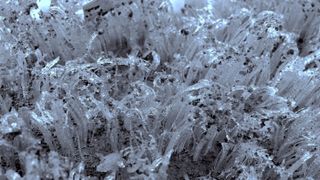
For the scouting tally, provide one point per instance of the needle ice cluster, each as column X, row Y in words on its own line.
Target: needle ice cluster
column 161, row 89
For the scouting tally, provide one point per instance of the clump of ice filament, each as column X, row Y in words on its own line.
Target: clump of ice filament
column 43, row 6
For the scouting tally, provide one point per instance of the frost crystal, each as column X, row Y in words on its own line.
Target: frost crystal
column 163, row 89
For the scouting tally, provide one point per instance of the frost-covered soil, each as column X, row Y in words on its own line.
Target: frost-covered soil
column 141, row 89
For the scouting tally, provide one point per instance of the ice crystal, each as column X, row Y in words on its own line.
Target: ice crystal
column 170, row 89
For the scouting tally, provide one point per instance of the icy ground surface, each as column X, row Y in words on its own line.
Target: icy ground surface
column 164, row 89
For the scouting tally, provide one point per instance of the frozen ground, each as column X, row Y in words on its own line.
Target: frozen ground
column 167, row 89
